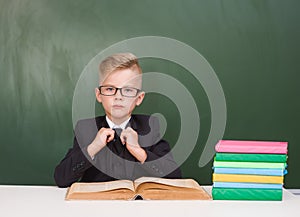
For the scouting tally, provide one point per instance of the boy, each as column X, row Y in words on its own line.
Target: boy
column 118, row 145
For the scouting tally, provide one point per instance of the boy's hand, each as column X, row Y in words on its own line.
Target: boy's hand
column 103, row 136
column 130, row 138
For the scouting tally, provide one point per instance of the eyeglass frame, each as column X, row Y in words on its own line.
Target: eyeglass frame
column 121, row 92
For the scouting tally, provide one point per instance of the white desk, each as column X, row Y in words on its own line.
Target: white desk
column 44, row 201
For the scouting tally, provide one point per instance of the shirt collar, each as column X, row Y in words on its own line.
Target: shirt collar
column 112, row 125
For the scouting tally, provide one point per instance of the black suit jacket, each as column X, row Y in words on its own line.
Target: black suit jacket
column 114, row 161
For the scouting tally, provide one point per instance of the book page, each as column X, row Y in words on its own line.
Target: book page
column 187, row 183
column 101, row 186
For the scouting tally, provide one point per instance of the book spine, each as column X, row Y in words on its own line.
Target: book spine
column 246, row 194
column 250, row 171
column 279, row 158
column 233, row 164
column 247, row 178
column 258, row 147
column 246, row 185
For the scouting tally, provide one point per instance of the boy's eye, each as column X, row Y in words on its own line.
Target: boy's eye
column 128, row 90
column 110, row 89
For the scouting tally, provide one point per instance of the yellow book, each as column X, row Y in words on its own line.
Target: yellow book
column 247, row 178
column 147, row 188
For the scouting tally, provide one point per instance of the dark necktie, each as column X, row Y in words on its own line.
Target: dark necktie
column 118, row 131
column 118, row 146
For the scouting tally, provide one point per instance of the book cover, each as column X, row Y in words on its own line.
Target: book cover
column 238, row 146
column 247, row 178
column 246, row 185
column 250, row 171
column 246, row 194
column 278, row 158
column 234, row 164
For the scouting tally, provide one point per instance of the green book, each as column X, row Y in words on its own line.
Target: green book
column 246, row 194
column 280, row 158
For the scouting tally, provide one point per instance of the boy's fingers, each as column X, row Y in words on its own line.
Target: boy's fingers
column 110, row 135
column 109, row 138
column 129, row 129
column 123, row 137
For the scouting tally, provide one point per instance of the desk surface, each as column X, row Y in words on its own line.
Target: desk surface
column 49, row 201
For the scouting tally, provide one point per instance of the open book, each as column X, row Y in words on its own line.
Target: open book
column 147, row 188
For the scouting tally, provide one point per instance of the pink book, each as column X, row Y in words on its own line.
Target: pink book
column 262, row 147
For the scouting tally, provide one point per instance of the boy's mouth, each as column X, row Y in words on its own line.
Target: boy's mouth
column 118, row 106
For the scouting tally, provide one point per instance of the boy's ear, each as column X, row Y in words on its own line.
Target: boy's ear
column 140, row 98
column 98, row 95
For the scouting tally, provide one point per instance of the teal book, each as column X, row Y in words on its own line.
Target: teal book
column 279, row 158
column 246, row 194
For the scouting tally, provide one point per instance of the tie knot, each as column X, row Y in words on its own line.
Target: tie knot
column 118, row 131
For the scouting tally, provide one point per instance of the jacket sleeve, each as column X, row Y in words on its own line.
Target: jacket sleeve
column 72, row 166
column 160, row 161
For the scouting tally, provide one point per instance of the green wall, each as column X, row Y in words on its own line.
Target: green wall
column 252, row 45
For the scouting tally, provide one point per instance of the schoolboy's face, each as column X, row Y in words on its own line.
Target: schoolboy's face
column 118, row 108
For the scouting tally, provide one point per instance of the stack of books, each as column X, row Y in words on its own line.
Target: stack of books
column 249, row 170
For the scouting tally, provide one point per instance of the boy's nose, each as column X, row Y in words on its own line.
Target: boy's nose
column 118, row 94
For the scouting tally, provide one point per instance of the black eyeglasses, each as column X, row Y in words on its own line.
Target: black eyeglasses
column 125, row 91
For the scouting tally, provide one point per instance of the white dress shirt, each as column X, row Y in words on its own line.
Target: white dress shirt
column 112, row 125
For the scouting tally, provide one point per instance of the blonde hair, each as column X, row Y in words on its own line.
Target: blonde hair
column 118, row 61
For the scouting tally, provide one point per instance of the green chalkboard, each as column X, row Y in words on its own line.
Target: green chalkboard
column 252, row 46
